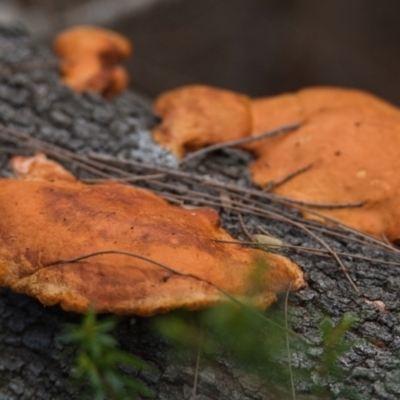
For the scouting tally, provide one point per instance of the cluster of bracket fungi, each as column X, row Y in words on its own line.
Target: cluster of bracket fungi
column 148, row 256
column 342, row 147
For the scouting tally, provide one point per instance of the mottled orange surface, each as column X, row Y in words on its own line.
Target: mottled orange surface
column 52, row 216
column 269, row 113
column 352, row 140
column 89, row 56
column 196, row 116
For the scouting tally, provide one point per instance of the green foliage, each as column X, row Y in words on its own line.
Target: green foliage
column 98, row 360
column 258, row 344
column 334, row 344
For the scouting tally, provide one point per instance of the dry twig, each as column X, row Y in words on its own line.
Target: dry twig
column 238, row 142
column 288, row 177
column 171, row 271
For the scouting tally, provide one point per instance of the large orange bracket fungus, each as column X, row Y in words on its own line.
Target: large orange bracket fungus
column 89, row 59
column 143, row 255
column 352, row 141
column 347, row 148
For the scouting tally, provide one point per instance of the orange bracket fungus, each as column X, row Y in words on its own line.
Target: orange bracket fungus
column 196, row 116
column 89, row 59
column 346, row 151
column 123, row 249
column 351, row 139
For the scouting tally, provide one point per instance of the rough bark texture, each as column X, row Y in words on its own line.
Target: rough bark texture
column 34, row 364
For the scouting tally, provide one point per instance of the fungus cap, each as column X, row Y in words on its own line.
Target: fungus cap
column 196, row 116
column 83, row 41
column 89, row 57
column 55, row 217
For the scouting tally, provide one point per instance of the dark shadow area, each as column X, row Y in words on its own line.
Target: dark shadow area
column 264, row 47
column 258, row 47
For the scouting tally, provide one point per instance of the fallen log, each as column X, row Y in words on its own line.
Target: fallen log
column 36, row 364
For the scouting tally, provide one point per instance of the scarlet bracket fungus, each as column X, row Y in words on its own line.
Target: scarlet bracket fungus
column 350, row 139
column 196, row 116
column 55, row 217
column 89, row 59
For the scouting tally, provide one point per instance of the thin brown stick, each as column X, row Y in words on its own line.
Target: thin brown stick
column 243, row 226
column 289, row 201
column 331, row 232
column 207, row 182
column 60, row 153
column 216, row 201
column 130, row 179
column 347, row 228
column 288, row 177
column 238, row 142
column 312, row 250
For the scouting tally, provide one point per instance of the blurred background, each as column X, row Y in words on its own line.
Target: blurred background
column 258, row 47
